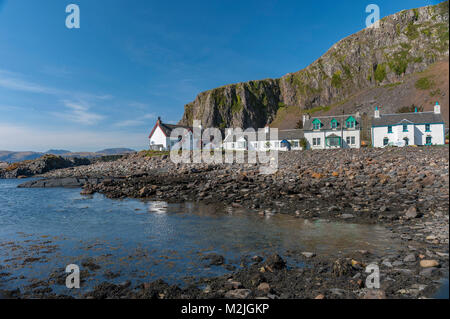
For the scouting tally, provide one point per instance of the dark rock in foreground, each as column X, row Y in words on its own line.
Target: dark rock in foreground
column 68, row 182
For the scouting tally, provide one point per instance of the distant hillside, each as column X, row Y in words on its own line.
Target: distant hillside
column 57, row 152
column 14, row 157
column 402, row 62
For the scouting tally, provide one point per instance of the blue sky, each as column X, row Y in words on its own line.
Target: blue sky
column 103, row 85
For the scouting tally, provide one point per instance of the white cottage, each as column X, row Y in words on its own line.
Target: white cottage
column 160, row 137
column 328, row 132
column 286, row 140
column 418, row 128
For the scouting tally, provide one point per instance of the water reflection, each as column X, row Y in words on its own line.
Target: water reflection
column 145, row 241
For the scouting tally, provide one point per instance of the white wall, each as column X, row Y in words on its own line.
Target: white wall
column 416, row 135
column 158, row 138
column 311, row 135
column 356, row 134
column 437, row 134
column 239, row 145
column 261, row 146
column 323, row 134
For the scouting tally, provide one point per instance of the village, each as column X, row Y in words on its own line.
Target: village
column 318, row 133
column 224, row 150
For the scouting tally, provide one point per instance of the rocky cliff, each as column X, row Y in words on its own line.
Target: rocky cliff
column 406, row 43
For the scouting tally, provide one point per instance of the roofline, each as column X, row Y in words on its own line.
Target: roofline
column 331, row 116
column 400, row 114
column 190, row 129
column 334, row 130
column 154, row 129
column 411, row 122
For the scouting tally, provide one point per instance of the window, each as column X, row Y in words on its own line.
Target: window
column 232, row 145
column 389, row 129
column 405, row 128
column 241, row 144
column 316, row 124
column 316, row 141
column 406, row 141
column 348, row 140
column 255, row 145
column 350, row 123
column 427, row 128
column 428, row 140
column 353, row 140
column 296, row 144
column 385, row 141
column 334, row 141
column 334, row 124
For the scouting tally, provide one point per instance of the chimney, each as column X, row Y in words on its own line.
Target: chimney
column 159, row 120
column 377, row 113
column 437, row 108
column 305, row 118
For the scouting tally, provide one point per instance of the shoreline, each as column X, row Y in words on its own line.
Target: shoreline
column 404, row 190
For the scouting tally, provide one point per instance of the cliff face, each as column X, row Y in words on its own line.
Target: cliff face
column 406, row 42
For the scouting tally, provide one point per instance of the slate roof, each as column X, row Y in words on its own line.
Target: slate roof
column 326, row 122
column 290, row 135
column 416, row 118
column 167, row 128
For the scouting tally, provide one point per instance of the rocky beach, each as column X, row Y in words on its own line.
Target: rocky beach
column 406, row 190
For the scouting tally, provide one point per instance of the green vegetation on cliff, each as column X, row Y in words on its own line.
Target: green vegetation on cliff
column 406, row 43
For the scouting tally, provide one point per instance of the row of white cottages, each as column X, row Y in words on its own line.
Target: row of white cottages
column 327, row 132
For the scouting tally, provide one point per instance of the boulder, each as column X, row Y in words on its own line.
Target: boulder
column 214, row 259
column 412, row 213
column 429, row 263
column 237, row 294
column 410, row 258
column 374, row 294
column 275, row 262
column 264, row 287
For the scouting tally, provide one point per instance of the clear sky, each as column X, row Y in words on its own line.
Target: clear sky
column 103, row 85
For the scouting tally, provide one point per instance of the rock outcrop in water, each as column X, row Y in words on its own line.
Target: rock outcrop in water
column 406, row 42
column 41, row 165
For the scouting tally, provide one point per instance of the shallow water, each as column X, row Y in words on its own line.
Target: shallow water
column 145, row 241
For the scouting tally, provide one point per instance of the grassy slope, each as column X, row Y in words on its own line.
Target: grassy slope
column 389, row 98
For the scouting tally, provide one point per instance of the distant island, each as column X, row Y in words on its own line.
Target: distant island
column 14, row 157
